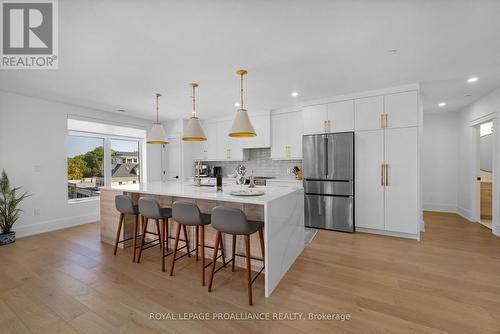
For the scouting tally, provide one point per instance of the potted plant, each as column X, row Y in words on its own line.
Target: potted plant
column 9, row 209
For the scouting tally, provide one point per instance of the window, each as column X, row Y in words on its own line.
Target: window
column 124, row 166
column 102, row 154
column 85, row 166
column 486, row 129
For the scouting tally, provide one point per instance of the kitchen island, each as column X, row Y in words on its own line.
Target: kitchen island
column 280, row 208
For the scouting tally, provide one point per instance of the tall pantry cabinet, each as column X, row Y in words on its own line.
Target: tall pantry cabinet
column 387, row 164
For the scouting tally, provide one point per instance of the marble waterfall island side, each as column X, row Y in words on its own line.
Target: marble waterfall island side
column 280, row 208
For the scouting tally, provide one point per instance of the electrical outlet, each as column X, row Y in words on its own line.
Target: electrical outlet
column 36, row 212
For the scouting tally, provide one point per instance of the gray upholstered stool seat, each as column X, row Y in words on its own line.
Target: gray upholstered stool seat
column 125, row 206
column 234, row 221
column 188, row 214
column 149, row 208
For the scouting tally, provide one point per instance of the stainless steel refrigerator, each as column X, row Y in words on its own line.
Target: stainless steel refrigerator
column 328, row 168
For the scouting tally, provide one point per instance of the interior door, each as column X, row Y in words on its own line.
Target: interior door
column 172, row 159
column 401, row 202
column 369, row 191
column 401, row 109
column 367, row 113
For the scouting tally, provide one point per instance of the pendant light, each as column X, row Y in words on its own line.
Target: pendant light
column 194, row 131
column 157, row 134
column 242, row 127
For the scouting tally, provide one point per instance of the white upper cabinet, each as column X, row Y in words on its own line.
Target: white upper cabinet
column 286, row 136
column 368, row 113
column 401, row 109
column 314, row 119
column 341, row 116
column 262, row 125
column 209, row 147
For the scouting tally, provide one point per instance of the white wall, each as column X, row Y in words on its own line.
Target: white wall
column 33, row 153
column 440, row 162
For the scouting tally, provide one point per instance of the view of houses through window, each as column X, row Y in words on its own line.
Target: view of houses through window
column 124, row 162
column 86, row 164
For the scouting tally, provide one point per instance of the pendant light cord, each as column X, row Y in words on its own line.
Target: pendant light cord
column 194, row 102
column 157, row 97
column 241, row 91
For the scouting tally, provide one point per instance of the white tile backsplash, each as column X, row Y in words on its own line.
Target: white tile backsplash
column 259, row 161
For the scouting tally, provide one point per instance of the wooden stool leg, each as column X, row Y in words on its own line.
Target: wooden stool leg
column 214, row 260
column 186, row 238
column 197, row 241
column 176, row 243
column 202, row 242
column 234, row 252
column 163, row 233
column 136, row 223
column 249, row 269
column 143, row 237
column 261, row 237
column 157, row 221
column 118, row 232
column 222, row 251
column 167, row 235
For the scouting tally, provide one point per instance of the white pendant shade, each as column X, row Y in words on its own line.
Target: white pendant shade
column 194, row 131
column 242, row 127
column 157, row 135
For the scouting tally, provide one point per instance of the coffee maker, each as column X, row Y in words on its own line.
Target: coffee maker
column 204, row 170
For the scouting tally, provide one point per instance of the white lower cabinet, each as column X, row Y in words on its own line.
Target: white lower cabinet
column 386, row 180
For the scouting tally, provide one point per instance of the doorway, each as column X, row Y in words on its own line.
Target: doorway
column 171, row 160
column 486, row 173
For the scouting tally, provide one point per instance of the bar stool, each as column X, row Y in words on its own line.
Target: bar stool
column 149, row 208
column 188, row 214
column 234, row 221
column 125, row 206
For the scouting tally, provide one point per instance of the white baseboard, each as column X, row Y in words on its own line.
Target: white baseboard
column 56, row 224
column 389, row 233
column 465, row 213
column 440, row 207
column 496, row 230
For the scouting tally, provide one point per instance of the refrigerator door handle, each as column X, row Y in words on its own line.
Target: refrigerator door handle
column 326, row 156
column 382, row 175
column 386, row 174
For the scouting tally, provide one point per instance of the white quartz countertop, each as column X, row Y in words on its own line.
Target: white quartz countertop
column 188, row 190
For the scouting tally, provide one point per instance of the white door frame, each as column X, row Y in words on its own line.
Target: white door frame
column 475, row 186
column 163, row 156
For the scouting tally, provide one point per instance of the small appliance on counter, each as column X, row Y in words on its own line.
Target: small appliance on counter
column 204, row 170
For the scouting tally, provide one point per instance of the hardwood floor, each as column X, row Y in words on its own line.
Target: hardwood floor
column 69, row 282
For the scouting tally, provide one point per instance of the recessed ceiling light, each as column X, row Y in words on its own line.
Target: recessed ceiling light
column 236, row 104
column 295, row 94
column 473, row 79
column 441, row 104
column 392, row 51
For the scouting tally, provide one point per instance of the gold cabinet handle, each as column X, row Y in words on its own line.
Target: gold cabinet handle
column 381, row 121
column 325, row 125
column 386, row 122
column 386, row 174
column 382, row 175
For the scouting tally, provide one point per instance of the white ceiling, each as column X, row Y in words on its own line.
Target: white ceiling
column 115, row 54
